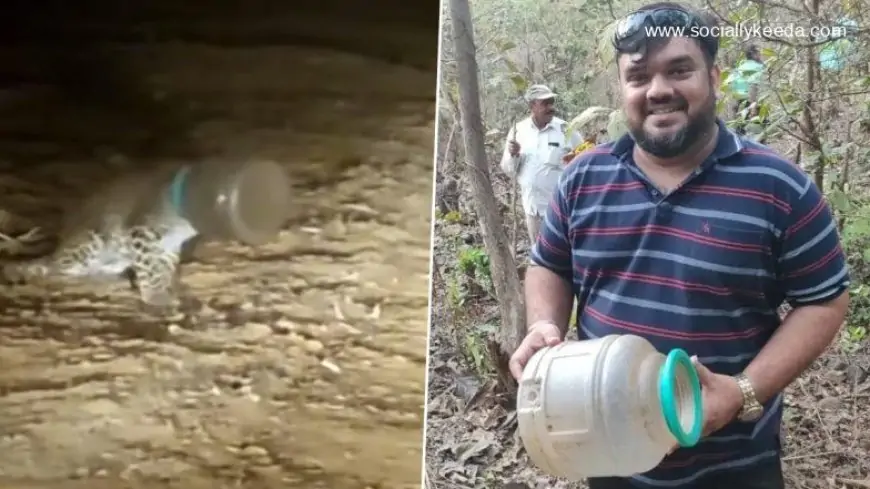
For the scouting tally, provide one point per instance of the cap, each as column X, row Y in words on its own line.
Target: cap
column 539, row 92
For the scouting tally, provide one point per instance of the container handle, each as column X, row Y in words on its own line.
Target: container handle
column 667, row 397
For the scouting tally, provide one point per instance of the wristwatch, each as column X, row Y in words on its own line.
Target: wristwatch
column 752, row 409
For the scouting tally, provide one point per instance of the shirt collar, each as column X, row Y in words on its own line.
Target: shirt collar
column 727, row 145
column 550, row 125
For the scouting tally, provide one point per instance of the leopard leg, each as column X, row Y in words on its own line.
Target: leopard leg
column 155, row 279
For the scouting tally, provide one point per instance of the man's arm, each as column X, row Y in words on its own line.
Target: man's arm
column 753, row 100
column 755, row 81
column 509, row 164
column 814, row 273
column 549, row 294
column 753, row 93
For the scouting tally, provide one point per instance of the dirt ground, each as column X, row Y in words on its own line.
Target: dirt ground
column 472, row 436
column 304, row 363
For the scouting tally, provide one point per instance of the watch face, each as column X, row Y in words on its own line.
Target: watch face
column 751, row 414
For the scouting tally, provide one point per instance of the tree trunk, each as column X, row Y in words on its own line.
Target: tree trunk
column 504, row 274
column 810, row 128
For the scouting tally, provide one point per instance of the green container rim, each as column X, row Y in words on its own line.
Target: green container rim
column 675, row 360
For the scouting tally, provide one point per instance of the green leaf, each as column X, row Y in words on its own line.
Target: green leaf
column 787, row 97
column 520, row 83
column 857, row 229
column 512, row 68
column 839, row 200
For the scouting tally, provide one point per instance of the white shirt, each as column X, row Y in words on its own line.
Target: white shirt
column 540, row 161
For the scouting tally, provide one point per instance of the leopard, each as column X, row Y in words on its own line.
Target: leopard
column 131, row 229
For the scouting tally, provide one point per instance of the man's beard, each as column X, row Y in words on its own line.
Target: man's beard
column 670, row 146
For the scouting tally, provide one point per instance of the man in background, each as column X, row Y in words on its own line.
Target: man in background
column 533, row 154
column 744, row 81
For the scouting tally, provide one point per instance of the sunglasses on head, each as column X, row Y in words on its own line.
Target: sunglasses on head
column 631, row 28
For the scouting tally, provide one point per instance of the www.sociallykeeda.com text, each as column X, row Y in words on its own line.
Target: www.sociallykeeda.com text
column 750, row 31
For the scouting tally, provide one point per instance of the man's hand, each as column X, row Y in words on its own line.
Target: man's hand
column 541, row 334
column 721, row 396
column 514, row 148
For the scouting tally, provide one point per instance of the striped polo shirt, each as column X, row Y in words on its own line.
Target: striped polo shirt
column 703, row 268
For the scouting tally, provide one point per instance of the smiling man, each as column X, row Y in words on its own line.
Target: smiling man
column 690, row 236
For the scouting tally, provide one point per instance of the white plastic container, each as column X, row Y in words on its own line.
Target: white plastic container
column 608, row 407
column 226, row 200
